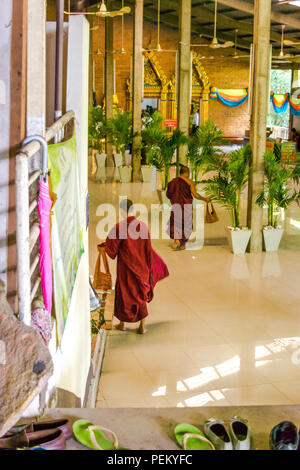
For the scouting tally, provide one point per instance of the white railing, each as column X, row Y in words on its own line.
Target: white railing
column 27, row 235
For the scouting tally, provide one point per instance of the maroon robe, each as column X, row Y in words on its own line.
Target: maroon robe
column 180, row 225
column 139, row 268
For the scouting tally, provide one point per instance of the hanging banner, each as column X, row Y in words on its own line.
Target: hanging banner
column 230, row 98
column 280, row 102
column 295, row 106
column 66, row 229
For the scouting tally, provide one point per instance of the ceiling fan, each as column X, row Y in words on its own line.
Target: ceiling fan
column 281, row 58
column 288, row 42
column 215, row 43
column 283, row 2
column 158, row 47
column 236, row 55
column 102, row 12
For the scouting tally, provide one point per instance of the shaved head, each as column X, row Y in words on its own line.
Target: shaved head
column 184, row 170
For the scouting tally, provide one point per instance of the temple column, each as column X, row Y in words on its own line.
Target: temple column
column 109, row 78
column 163, row 105
column 184, row 74
column 137, row 89
column 258, row 123
column 204, row 107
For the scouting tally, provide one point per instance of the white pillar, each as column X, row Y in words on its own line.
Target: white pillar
column 74, row 367
column 36, row 70
column 5, row 46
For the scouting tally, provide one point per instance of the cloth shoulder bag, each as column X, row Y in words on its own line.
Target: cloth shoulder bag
column 211, row 215
column 102, row 280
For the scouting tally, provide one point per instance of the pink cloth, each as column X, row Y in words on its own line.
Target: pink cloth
column 44, row 208
column 159, row 269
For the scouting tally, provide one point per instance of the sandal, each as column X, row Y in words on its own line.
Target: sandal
column 191, row 438
column 92, row 436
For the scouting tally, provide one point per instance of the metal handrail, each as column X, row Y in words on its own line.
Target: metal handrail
column 26, row 237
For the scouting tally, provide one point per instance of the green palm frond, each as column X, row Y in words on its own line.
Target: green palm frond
column 119, row 130
column 97, row 127
column 160, row 145
column 226, row 186
column 276, row 192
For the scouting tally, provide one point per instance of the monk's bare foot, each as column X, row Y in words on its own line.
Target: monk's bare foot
column 142, row 329
column 120, row 326
column 182, row 247
column 175, row 245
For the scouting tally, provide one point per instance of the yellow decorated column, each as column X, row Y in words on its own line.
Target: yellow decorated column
column 205, row 105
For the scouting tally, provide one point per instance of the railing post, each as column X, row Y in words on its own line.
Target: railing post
column 23, row 258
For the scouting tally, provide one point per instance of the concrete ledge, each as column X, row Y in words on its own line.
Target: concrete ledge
column 152, row 429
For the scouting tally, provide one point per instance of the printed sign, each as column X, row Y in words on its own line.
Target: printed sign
column 170, row 122
column 66, row 226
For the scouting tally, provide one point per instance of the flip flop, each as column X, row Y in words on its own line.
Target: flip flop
column 93, row 436
column 191, row 438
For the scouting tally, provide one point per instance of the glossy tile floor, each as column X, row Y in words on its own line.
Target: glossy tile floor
column 223, row 329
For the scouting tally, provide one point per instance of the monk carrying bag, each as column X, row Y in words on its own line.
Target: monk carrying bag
column 211, row 215
column 102, row 280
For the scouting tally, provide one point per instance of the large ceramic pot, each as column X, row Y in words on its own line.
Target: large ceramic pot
column 125, row 174
column 100, row 159
column 147, row 172
column 128, row 158
column 238, row 239
column 118, row 159
column 272, row 238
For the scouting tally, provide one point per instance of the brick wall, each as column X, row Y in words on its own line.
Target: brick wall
column 222, row 72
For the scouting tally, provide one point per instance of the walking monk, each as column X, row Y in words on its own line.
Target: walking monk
column 181, row 191
column 139, row 268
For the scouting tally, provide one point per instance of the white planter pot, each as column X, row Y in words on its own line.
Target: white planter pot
column 147, row 173
column 272, row 238
column 163, row 197
column 101, row 159
column 118, row 159
column 238, row 240
column 125, row 174
column 128, row 159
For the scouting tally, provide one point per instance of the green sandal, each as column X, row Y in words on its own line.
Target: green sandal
column 191, row 438
column 92, row 436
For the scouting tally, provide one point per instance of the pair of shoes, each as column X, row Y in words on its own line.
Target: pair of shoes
column 189, row 437
column 95, row 437
column 47, row 435
column 238, row 438
column 284, row 436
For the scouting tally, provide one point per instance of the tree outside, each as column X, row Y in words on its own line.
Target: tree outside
column 280, row 82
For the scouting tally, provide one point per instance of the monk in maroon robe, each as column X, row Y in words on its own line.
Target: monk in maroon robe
column 139, row 268
column 181, row 191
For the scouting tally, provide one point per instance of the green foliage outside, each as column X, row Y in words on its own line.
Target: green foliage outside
column 280, row 82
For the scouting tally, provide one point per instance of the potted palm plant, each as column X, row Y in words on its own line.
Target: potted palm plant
column 277, row 194
column 226, row 187
column 149, row 122
column 97, row 134
column 202, row 146
column 119, row 133
column 161, row 147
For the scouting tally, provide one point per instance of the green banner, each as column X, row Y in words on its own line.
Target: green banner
column 66, row 226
